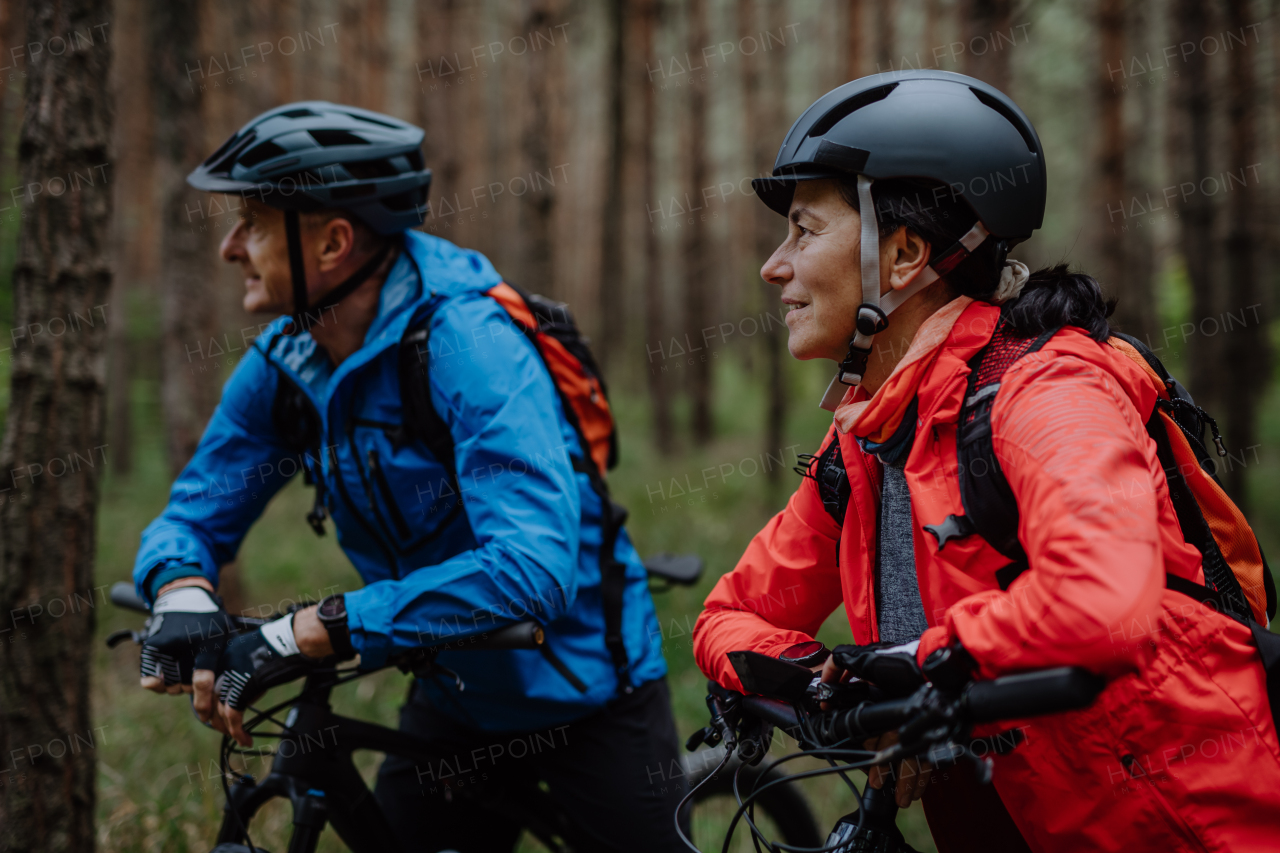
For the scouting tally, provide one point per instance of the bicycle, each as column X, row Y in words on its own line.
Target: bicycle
column 932, row 723
column 318, row 775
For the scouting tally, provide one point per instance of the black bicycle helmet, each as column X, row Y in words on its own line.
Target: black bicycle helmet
column 312, row 155
column 932, row 125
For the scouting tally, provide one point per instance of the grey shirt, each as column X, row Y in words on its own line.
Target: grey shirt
column 899, row 611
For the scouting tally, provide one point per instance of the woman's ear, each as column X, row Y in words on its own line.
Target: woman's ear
column 905, row 256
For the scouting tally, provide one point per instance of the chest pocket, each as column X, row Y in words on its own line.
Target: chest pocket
column 411, row 496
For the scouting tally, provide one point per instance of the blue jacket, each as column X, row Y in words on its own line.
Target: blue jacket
column 520, row 541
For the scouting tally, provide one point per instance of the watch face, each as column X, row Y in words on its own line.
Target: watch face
column 811, row 653
column 334, row 607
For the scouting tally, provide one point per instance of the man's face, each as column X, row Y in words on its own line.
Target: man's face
column 258, row 245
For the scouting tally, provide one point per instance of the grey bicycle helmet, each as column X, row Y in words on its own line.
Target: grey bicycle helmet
column 311, row 155
column 933, row 125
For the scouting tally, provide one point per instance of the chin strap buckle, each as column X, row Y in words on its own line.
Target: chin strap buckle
column 871, row 320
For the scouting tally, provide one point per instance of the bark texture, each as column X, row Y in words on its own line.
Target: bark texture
column 53, row 439
column 191, row 358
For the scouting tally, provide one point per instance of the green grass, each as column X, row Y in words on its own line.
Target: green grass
column 157, row 787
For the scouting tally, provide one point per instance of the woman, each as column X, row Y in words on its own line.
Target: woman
column 904, row 193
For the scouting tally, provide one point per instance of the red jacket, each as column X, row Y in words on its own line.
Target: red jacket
column 1179, row 752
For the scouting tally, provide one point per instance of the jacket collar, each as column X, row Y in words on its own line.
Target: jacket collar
column 428, row 271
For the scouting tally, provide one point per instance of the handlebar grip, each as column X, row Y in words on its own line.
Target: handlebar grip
column 772, row 711
column 873, row 718
column 123, row 595
column 521, row 635
column 1031, row 694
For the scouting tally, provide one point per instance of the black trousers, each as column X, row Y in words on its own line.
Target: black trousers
column 612, row 774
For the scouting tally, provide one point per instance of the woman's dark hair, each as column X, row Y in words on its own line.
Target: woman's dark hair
column 1053, row 296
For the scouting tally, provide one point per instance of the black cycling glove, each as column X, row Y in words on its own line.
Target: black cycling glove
column 188, row 631
column 253, row 663
column 890, row 666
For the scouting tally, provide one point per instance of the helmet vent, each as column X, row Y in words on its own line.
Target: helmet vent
column 403, row 201
column 237, row 143
column 257, row 154
column 849, row 106
column 329, row 138
column 355, row 191
column 375, row 121
column 366, row 170
column 1009, row 115
column 299, row 113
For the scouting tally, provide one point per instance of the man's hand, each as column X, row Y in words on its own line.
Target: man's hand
column 255, row 662
column 188, row 631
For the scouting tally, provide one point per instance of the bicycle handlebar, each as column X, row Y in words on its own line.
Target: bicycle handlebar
column 521, row 635
column 1031, row 694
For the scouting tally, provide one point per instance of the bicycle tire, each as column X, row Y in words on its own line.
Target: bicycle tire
column 785, row 805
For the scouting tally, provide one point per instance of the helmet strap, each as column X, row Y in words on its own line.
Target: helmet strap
column 873, row 313
column 297, row 270
column 304, row 316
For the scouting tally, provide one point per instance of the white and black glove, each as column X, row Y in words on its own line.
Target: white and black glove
column 188, row 631
column 255, row 662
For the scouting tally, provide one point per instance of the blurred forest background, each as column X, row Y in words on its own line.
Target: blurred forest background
column 599, row 152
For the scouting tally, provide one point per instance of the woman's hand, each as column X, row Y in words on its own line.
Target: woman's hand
column 912, row 774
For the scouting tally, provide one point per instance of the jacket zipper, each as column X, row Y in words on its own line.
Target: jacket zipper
column 355, row 511
column 380, row 479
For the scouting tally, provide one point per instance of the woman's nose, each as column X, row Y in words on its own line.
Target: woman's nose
column 776, row 270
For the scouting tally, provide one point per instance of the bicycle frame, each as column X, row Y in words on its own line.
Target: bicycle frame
column 321, row 781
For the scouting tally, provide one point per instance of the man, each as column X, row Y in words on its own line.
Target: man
column 487, row 519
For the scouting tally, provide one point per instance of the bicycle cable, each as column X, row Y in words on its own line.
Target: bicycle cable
column 822, row 771
column 728, row 754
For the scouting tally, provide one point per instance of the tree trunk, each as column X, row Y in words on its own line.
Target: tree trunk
column 190, row 366
column 54, row 442
column 764, row 88
column 1246, row 368
column 698, row 267
column 984, row 21
column 1190, row 153
column 1111, row 185
column 611, row 288
column 855, row 57
column 544, row 87
column 885, row 36
column 654, row 301
column 775, row 418
column 133, row 222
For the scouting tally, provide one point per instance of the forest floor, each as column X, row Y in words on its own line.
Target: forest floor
column 159, row 787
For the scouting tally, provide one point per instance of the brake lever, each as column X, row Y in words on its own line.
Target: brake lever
column 115, row 638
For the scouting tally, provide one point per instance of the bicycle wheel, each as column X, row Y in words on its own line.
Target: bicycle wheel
column 782, row 812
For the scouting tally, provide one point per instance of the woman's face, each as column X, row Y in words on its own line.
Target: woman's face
column 818, row 269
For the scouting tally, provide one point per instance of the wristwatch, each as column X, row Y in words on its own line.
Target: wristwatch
column 808, row 654
column 332, row 614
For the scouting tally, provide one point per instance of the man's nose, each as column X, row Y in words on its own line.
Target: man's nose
column 231, row 249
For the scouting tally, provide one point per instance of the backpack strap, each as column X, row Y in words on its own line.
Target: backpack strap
column 421, row 422
column 827, row 470
column 990, row 509
column 297, row 423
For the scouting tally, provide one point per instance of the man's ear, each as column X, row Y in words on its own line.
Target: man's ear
column 907, row 256
column 337, row 240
